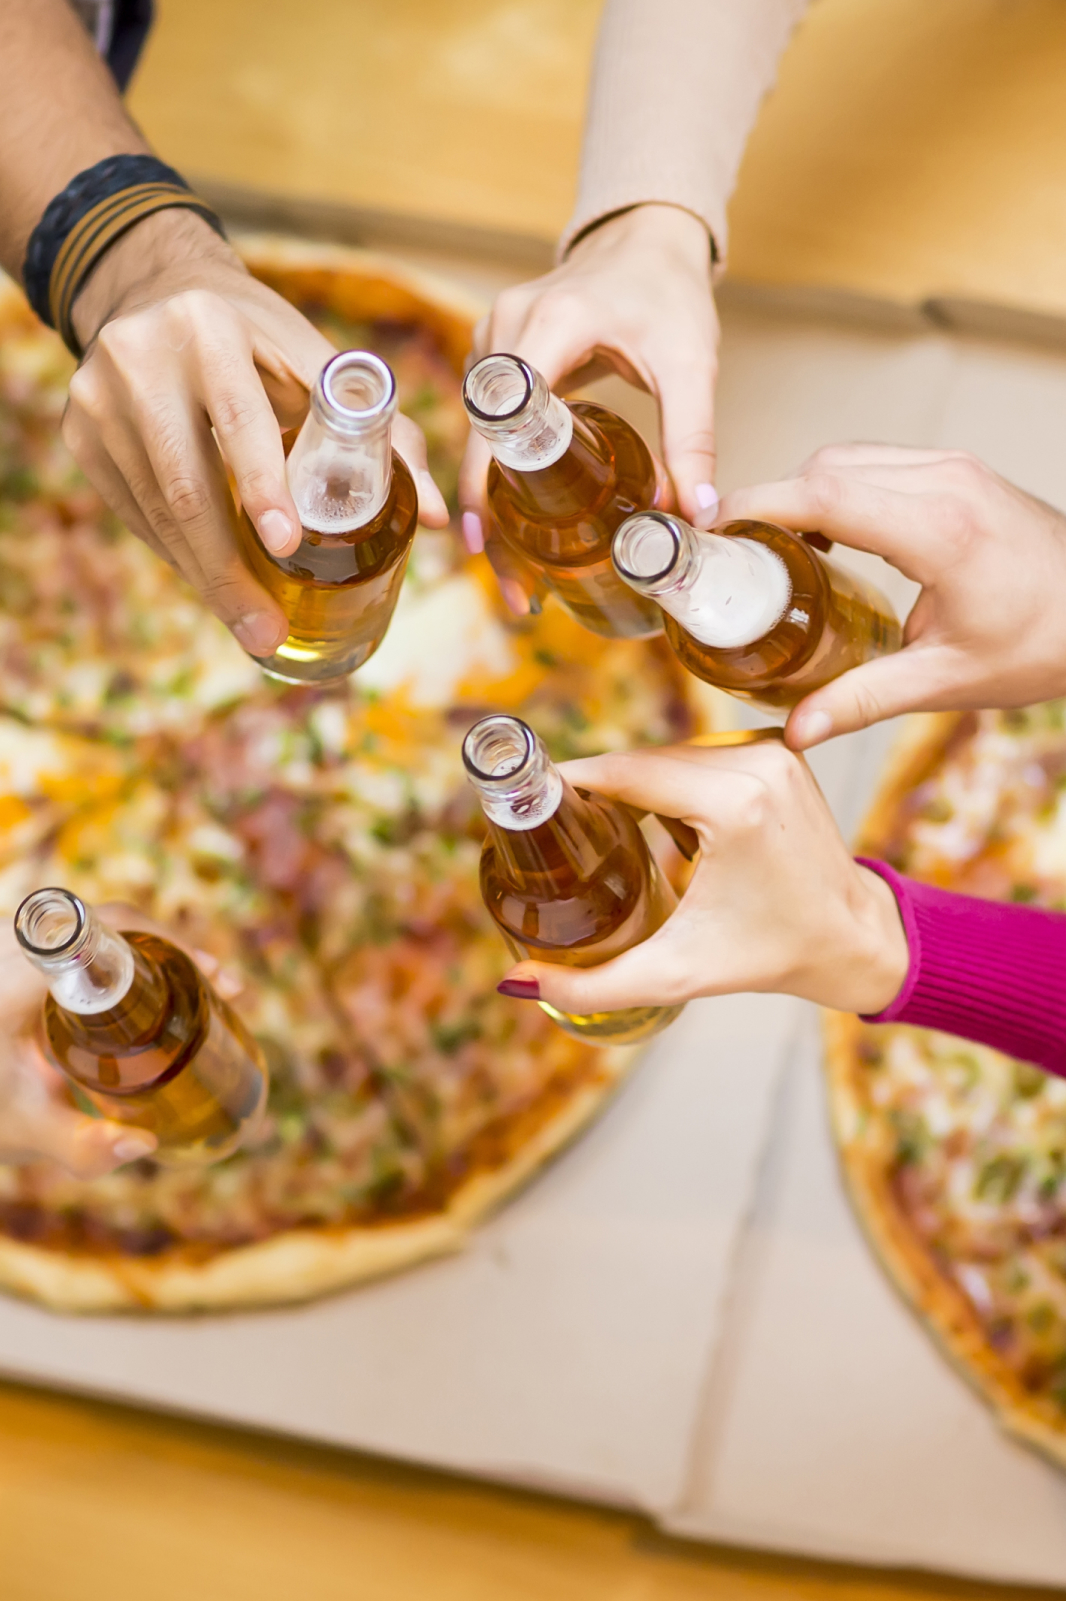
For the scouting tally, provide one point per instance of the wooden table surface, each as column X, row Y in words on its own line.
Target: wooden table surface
column 912, row 148
column 100, row 1503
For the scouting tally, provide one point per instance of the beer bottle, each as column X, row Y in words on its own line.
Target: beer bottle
column 358, row 509
column 753, row 608
column 131, row 1020
column 563, row 478
column 566, row 875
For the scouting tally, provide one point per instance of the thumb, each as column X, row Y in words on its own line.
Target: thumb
column 650, row 974
column 917, row 678
column 686, row 402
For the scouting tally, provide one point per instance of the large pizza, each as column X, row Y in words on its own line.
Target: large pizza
column 321, row 845
column 955, row 1156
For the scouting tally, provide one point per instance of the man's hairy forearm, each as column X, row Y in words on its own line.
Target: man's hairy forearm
column 59, row 113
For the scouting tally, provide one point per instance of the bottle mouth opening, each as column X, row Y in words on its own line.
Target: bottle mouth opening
column 358, row 389
column 497, row 388
column 50, row 922
column 498, row 749
column 646, row 547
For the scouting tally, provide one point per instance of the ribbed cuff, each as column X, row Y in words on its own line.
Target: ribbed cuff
column 988, row 972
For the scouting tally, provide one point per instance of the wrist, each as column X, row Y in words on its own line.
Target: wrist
column 656, row 225
column 868, row 961
column 154, row 258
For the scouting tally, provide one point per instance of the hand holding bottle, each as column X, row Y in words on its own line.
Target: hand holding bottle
column 776, row 903
column 134, row 1023
column 987, row 627
column 36, row 1118
column 182, row 341
column 634, row 297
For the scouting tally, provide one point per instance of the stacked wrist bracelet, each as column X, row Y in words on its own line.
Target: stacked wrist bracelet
column 80, row 224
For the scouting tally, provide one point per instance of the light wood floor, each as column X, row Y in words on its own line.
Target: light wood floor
column 98, row 1503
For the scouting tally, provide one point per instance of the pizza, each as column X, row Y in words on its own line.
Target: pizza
column 954, row 1155
column 322, row 845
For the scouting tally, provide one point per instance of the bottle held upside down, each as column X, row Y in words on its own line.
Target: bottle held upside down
column 753, row 608
column 132, row 1021
column 562, row 480
column 567, row 876
column 359, row 510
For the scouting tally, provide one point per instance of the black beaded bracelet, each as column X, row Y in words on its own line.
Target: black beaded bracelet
column 80, row 224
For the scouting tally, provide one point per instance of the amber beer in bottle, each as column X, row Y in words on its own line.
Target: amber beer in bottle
column 358, row 507
column 562, row 480
column 132, row 1021
column 753, row 608
column 566, row 875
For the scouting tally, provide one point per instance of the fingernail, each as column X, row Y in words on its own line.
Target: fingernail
column 275, row 529
column 473, row 538
column 258, row 633
column 515, row 596
column 706, row 497
column 133, row 1146
column 522, row 989
column 815, row 727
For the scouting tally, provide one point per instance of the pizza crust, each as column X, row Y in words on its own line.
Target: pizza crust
column 865, row 1150
column 300, row 1264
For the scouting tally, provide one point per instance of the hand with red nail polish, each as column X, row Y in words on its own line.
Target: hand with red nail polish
column 985, row 630
column 520, row 989
column 776, row 903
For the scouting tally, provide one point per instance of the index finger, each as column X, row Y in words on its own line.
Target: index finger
column 849, row 510
column 680, row 781
column 249, row 437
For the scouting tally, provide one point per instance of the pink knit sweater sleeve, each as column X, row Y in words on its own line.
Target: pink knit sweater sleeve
column 988, row 972
column 676, row 87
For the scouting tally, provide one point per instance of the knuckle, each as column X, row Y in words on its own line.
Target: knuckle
column 560, row 306
column 259, row 488
column 825, row 492
column 233, row 412
column 510, row 306
column 867, row 704
column 957, row 524
column 188, row 497
column 86, row 393
column 198, row 307
column 226, row 592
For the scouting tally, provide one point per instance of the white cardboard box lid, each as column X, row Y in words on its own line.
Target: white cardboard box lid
column 832, row 1423
column 566, row 1347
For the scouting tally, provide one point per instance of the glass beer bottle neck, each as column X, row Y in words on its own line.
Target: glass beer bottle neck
column 561, row 853
column 538, row 822
column 571, row 487
column 340, row 468
column 727, row 592
column 90, row 968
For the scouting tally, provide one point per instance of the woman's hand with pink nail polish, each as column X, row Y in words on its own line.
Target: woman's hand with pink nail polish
column 991, row 562
column 632, row 297
column 775, row 904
